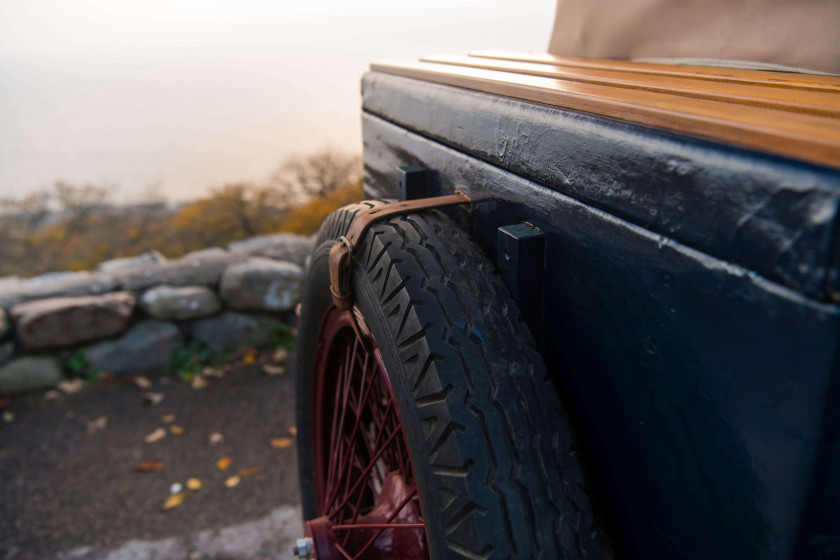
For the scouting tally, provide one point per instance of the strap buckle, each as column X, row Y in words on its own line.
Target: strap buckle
column 342, row 253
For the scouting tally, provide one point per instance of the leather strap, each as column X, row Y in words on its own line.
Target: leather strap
column 341, row 255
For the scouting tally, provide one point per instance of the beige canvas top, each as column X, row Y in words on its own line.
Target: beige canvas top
column 802, row 34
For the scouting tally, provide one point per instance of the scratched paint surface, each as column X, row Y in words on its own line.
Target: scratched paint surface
column 700, row 386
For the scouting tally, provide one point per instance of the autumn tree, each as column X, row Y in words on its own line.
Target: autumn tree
column 20, row 220
column 39, row 231
column 302, row 177
column 230, row 212
column 74, row 226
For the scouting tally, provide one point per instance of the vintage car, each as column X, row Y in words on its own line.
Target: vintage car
column 590, row 310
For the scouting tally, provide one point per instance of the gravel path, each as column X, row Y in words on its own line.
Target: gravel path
column 67, row 493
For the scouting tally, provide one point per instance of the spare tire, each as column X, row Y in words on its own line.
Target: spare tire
column 482, row 438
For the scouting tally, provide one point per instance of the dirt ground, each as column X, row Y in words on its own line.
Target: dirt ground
column 68, row 488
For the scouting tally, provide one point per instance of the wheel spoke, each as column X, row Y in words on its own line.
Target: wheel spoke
column 364, row 478
column 347, row 378
column 365, row 472
column 343, row 552
column 350, row 449
column 378, row 526
column 339, row 413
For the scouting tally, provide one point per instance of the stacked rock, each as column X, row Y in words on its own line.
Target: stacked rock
column 130, row 314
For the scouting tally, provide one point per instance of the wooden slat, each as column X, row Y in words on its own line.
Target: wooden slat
column 759, row 95
column 805, row 136
column 816, row 82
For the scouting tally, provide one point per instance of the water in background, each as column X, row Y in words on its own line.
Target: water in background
column 187, row 94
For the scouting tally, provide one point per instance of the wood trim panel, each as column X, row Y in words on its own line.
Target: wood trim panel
column 817, row 82
column 802, row 135
column 759, row 95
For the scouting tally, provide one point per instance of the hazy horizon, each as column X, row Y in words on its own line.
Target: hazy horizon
column 190, row 94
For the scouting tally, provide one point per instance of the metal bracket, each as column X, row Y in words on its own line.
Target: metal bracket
column 521, row 253
column 413, row 181
column 341, row 255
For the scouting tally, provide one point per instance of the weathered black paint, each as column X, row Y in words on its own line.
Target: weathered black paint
column 773, row 215
column 700, row 388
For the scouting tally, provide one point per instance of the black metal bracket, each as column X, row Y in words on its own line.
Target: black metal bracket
column 413, row 181
column 521, row 262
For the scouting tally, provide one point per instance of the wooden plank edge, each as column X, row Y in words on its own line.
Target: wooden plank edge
column 815, row 82
column 684, row 86
column 822, row 149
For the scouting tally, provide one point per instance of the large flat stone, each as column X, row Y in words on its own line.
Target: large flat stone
column 29, row 374
column 281, row 247
column 203, row 270
column 128, row 263
column 187, row 302
column 55, row 284
column 7, row 350
column 261, row 283
column 231, row 330
column 7, row 282
column 59, row 322
column 147, row 345
column 203, row 253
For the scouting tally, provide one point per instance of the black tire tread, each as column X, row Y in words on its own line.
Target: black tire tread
column 502, row 457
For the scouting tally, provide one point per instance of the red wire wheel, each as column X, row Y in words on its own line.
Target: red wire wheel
column 436, row 432
column 365, row 491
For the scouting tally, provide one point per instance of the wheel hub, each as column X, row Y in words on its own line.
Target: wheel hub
column 391, row 530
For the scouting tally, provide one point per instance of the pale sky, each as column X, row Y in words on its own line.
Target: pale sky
column 190, row 94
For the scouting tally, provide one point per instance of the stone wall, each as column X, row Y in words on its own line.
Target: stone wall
column 130, row 314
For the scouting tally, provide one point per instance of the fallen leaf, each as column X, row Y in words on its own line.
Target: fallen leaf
column 293, row 431
column 249, row 359
column 149, row 466
column 174, row 501
column 280, row 356
column 152, row 398
column 198, row 382
column 96, row 425
column 243, row 351
column 70, row 386
column 227, row 367
column 281, row 443
column 232, row 481
column 107, row 377
column 223, row 463
column 142, row 382
column 157, row 435
column 8, row 417
column 274, row 370
column 176, row 430
column 52, row 395
column 216, row 438
column 250, row 471
column 167, row 419
column 5, row 400
column 193, row 484
column 212, row 372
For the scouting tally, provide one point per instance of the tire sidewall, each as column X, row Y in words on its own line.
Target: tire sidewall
column 315, row 302
column 371, row 309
